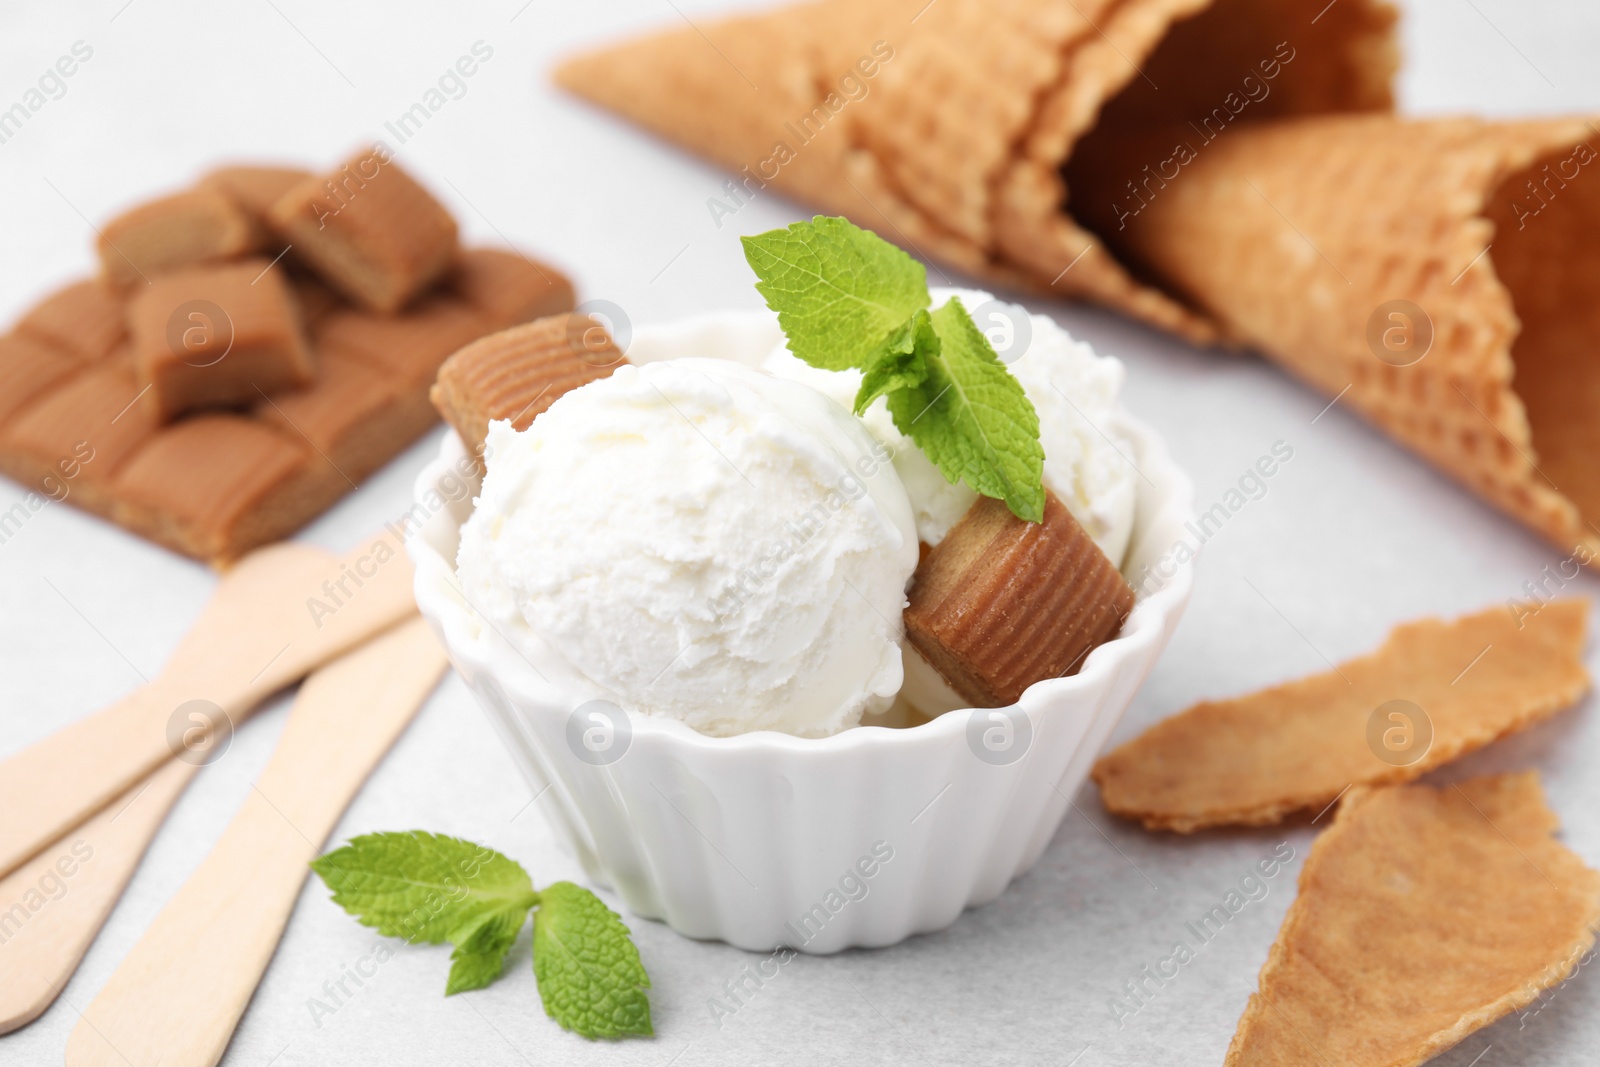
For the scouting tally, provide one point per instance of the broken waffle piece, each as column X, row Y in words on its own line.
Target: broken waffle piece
column 509, row 288
column 1424, row 914
column 518, row 373
column 215, row 486
column 1001, row 603
column 182, row 230
column 1436, row 690
column 217, row 337
column 86, row 318
column 370, row 230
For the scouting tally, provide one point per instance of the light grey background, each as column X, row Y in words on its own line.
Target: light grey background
column 1354, row 536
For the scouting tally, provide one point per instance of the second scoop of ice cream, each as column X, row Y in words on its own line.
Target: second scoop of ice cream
column 698, row 539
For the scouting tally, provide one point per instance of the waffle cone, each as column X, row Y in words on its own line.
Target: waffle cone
column 957, row 142
column 1301, row 238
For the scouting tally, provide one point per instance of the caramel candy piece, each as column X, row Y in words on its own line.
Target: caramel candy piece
column 370, row 230
column 518, row 373
column 215, row 486
column 86, row 318
column 354, row 416
column 27, row 368
column 183, row 230
column 1001, row 603
column 254, row 189
column 409, row 347
column 73, row 441
column 217, row 336
column 316, row 301
column 509, row 288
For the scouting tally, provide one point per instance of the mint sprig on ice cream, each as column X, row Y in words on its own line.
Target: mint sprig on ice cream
column 847, row 299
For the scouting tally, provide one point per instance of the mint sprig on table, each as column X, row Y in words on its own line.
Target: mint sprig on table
column 436, row 889
column 846, row 299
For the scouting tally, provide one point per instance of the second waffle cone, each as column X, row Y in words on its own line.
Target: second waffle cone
column 1442, row 277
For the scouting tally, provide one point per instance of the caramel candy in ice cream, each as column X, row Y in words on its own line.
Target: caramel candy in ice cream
column 518, row 373
column 1002, row 603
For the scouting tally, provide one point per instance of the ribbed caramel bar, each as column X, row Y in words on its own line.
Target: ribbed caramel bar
column 214, row 486
column 183, row 230
column 369, row 230
column 410, row 346
column 510, row 288
column 1000, row 603
column 518, row 373
column 29, row 367
column 87, row 318
column 354, row 416
column 74, row 440
column 217, row 337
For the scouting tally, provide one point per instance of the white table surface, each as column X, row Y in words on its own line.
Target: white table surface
column 1354, row 535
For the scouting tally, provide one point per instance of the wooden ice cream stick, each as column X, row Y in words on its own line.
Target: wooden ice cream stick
column 178, row 996
column 56, row 902
column 277, row 614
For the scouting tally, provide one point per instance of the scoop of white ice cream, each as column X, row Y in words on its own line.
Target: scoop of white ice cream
column 698, row 539
column 1073, row 389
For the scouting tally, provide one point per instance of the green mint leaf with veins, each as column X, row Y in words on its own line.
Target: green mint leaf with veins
column 847, row 299
column 590, row 977
column 481, row 948
column 843, row 295
column 970, row 416
column 900, row 366
column 422, row 886
column 432, row 888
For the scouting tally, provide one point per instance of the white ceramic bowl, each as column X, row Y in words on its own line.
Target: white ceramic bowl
column 764, row 839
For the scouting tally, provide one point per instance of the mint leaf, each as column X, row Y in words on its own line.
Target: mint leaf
column 428, row 887
column 432, row 888
column 481, row 948
column 422, row 886
column 899, row 366
column 589, row 974
column 970, row 416
column 842, row 294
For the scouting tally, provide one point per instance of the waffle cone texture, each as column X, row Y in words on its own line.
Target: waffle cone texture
column 1440, row 277
column 948, row 127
